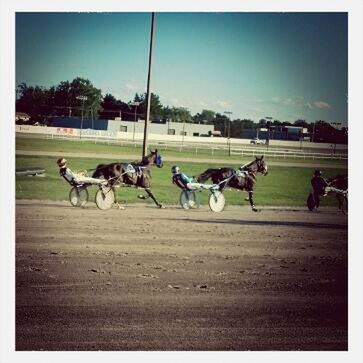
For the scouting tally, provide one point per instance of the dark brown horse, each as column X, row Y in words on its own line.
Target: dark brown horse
column 243, row 178
column 339, row 182
column 132, row 174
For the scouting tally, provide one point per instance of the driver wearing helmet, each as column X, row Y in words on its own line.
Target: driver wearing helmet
column 321, row 187
column 182, row 180
column 73, row 178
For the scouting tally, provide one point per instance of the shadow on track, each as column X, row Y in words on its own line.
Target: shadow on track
column 266, row 223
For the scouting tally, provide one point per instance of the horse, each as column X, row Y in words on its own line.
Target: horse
column 132, row 174
column 243, row 178
column 339, row 182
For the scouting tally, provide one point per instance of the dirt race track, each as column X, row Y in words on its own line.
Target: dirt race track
column 150, row 279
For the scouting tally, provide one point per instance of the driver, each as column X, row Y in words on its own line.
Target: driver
column 73, row 178
column 183, row 181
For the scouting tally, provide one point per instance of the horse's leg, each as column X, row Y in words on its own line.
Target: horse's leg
column 151, row 195
column 250, row 197
column 117, row 204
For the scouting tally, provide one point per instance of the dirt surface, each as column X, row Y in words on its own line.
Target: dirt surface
column 168, row 279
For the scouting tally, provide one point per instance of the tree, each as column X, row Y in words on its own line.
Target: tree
column 301, row 123
column 84, row 87
column 32, row 100
column 207, row 117
column 221, row 124
column 156, row 108
column 181, row 114
column 63, row 98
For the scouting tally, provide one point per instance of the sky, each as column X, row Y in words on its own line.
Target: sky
column 287, row 66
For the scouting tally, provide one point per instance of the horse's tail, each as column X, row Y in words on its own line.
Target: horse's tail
column 98, row 171
column 202, row 178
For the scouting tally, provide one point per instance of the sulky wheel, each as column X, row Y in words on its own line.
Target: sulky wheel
column 345, row 205
column 78, row 196
column 189, row 199
column 105, row 198
column 217, row 201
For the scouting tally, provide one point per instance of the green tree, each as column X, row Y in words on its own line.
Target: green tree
column 83, row 87
column 221, row 124
column 207, row 117
column 32, row 100
column 181, row 114
column 156, row 108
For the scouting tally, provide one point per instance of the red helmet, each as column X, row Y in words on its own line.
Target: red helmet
column 61, row 162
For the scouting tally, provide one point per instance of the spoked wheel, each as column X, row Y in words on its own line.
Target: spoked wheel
column 217, row 201
column 78, row 196
column 105, row 198
column 310, row 202
column 189, row 199
column 345, row 205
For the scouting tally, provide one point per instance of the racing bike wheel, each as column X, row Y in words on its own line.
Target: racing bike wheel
column 217, row 201
column 78, row 196
column 189, row 199
column 105, row 198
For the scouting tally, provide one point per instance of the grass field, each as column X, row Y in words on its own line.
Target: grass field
column 283, row 186
column 60, row 146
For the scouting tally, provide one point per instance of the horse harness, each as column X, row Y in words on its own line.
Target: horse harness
column 130, row 170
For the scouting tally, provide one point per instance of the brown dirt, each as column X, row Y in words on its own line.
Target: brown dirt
column 151, row 279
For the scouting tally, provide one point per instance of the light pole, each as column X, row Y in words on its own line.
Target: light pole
column 135, row 104
column 144, row 146
column 83, row 98
column 229, row 131
column 268, row 124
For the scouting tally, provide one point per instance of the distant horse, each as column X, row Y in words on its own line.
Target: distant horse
column 132, row 174
column 243, row 178
column 339, row 182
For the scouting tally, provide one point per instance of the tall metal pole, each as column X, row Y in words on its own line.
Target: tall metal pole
column 144, row 148
column 135, row 104
column 229, row 131
column 83, row 98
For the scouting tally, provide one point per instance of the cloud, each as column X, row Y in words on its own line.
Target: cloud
column 223, row 104
column 318, row 104
column 131, row 86
column 322, row 105
column 286, row 101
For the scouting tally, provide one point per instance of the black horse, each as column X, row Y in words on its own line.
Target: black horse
column 131, row 174
column 243, row 178
column 339, row 182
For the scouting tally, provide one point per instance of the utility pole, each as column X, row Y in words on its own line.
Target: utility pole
column 144, row 148
column 135, row 104
column 83, row 98
column 229, row 131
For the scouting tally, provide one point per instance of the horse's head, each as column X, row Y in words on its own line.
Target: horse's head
column 261, row 165
column 153, row 158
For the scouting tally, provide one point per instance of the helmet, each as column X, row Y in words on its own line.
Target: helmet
column 61, row 162
column 175, row 169
column 318, row 172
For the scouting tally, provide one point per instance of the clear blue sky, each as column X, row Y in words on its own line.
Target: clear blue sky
column 283, row 65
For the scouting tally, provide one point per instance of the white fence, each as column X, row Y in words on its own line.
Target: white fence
column 277, row 148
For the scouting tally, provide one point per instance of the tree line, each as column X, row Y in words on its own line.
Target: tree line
column 80, row 98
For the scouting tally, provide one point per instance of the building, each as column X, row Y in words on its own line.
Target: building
column 169, row 128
